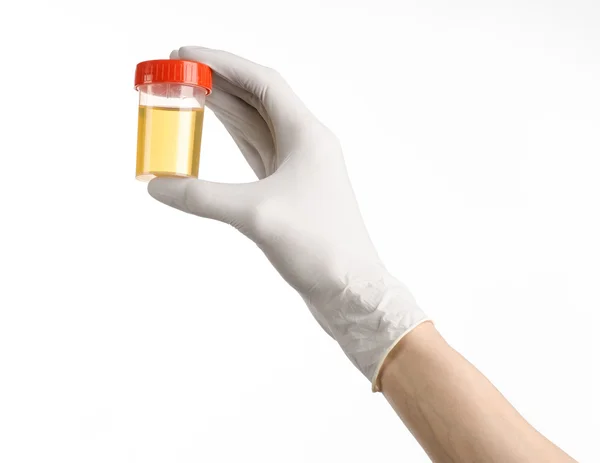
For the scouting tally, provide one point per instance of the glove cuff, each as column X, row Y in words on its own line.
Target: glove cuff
column 375, row 383
column 371, row 318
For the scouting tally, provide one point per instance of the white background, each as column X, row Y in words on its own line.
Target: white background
column 131, row 332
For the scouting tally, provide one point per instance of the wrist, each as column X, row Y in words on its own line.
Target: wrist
column 369, row 317
column 422, row 340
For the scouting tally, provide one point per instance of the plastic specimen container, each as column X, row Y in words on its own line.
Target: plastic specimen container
column 171, row 113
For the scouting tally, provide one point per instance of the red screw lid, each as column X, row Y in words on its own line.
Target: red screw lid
column 173, row 71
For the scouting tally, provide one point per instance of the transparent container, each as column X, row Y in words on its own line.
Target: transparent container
column 170, row 117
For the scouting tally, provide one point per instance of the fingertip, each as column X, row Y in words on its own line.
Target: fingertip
column 156, row 190
column 190, row 50
column 174, row 54
column 152, row 186
column 169, row 190
column 167, row 184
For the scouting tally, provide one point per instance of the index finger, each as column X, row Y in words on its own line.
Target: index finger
column 281, row 103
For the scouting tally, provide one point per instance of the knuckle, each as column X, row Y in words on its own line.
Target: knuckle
column 271, row 73
column 195, row 198
column 329, row 137
column 190, row 199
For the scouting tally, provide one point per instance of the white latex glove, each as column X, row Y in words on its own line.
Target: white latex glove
column 302, row 212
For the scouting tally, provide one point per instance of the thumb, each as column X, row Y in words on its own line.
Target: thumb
column 225, row 202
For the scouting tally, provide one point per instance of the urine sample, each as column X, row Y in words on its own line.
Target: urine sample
column 171, row 111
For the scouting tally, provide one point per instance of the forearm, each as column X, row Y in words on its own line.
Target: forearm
column 454, row 412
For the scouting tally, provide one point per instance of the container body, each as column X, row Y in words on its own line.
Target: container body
column 169, row 130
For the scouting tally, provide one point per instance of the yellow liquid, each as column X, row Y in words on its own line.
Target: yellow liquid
column 168, row 142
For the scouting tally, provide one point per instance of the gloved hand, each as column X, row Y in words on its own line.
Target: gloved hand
column 301, row 212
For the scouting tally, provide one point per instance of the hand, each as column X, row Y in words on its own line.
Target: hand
column 301, row 212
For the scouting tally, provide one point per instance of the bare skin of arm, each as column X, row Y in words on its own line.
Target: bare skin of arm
column 454, row 412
